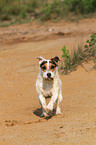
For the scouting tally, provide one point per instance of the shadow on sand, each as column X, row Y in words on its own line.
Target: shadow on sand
column 38, row 112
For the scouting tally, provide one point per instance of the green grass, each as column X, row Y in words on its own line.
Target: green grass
column 79, row 55
column 17, row 11
column 67, row 9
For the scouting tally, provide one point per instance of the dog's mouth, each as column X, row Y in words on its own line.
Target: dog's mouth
column 49, row 79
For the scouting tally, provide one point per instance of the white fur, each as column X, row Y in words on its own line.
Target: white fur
column 45, row 88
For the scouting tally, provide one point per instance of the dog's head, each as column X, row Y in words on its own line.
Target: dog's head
column 48, row 68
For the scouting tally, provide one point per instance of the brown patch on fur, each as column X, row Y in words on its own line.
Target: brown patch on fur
column 44, row 67
column 52, row 66
column 55, row 59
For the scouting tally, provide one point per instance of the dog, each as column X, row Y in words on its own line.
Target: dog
column 48, row 84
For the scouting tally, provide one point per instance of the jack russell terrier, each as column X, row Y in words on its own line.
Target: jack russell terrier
column 49, row 85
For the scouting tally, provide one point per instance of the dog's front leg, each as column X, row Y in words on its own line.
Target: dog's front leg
column 52, row 101
column 58, row 110
column 43, row 102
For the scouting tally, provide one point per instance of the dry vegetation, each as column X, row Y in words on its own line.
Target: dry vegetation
column 79, row 55
column 22, row 11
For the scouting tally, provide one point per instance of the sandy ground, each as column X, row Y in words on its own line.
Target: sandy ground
column 20, row 122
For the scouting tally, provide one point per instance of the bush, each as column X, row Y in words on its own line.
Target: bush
column 62, row 8
column 51, row 10
column 10, row 9
column 56, row 9
column 79, row 55
column 90, row 47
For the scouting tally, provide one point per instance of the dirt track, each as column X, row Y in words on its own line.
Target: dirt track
column 20, row 123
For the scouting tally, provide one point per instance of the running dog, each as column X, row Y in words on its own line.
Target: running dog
column 48, row 84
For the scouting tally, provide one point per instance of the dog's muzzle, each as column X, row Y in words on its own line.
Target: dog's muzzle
column 49, row 75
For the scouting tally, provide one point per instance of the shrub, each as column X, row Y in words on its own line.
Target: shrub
column 51, row 10
column 61, row 8
column 90, row 47
column 45, row 10
column 10, row 9
column 79, row 55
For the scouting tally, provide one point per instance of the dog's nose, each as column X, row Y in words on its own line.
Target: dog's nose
column 49, row 75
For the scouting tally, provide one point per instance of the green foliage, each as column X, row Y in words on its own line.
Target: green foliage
column 51, row 10
column 16, row 9
column 79, row 55
column 90, row 47
column 82, row 6
column 60, row 9
column 45, row 10
column 89, row 6
column 66, row 57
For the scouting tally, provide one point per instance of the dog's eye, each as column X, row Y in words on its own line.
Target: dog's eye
column 52, row 67
column 43, row 67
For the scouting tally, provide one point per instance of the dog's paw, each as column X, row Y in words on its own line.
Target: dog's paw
column 58, row 111
column 44, row 114
column 44, row 108
column 50, row 106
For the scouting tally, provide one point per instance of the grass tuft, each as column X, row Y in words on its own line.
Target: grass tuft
column 79, row 55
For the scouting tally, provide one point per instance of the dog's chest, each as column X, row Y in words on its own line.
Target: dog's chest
column 47, row 87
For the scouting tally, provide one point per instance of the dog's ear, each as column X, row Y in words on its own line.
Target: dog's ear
column 55, row 59
column 41, row 59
